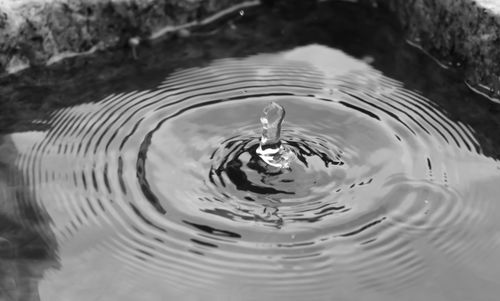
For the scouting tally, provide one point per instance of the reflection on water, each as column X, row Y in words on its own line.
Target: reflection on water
column 27, row 246
column 159, row 194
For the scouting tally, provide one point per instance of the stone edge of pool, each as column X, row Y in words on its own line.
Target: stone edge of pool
column 43, row 32
column 459, row 33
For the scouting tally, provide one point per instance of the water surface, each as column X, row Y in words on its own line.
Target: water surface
column 157, row 194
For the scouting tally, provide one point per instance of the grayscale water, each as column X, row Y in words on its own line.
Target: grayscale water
column 159, row 193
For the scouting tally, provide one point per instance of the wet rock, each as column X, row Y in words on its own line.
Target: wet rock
column 17, row 63
column 464, row 33
column 460, row 33
column 36, row 32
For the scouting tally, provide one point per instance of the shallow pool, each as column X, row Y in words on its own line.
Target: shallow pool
column 139, row 180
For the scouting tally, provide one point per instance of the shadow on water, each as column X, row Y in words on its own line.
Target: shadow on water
column 27, row 247
column 39, row 108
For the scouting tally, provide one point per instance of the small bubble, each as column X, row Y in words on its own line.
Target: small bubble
column 242, row 12
column 134, row 41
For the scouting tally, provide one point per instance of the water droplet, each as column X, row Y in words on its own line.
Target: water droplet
column 270, row 149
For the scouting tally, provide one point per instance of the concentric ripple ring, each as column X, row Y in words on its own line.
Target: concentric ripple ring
column 166, row 181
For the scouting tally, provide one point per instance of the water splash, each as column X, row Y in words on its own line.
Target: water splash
column 162, row 193
column 271, row 149
column 271, row 126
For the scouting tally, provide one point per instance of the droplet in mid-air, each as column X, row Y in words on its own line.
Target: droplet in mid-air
column 270, row 149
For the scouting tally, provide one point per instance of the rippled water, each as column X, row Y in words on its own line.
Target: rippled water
column 159, row 195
